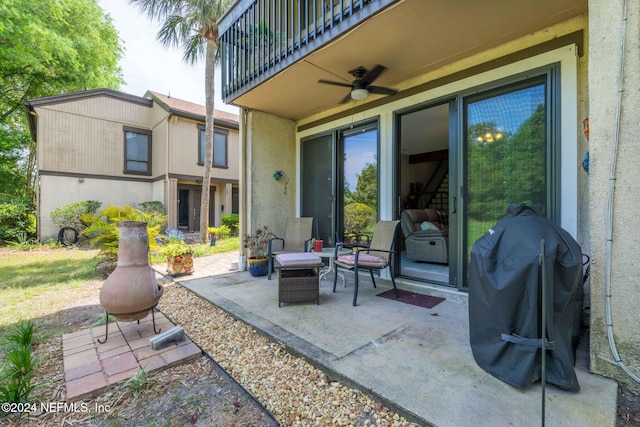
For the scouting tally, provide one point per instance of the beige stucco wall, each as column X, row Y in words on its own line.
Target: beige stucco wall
column 605, row 22
column 109, row 192
column 271, row 146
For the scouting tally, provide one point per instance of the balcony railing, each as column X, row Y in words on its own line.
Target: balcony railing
column 260, row 37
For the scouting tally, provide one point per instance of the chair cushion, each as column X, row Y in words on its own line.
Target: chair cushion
column 364, row 260
column 298, row 259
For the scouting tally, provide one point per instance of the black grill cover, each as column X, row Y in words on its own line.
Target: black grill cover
column 505, row 301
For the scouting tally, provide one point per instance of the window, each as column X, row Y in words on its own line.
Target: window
column 219, row 147
column 137, row 151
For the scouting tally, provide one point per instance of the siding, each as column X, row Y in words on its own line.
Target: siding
column 86, row 136
column 183, row 152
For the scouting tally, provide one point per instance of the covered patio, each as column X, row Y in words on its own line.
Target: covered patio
column 415, row 360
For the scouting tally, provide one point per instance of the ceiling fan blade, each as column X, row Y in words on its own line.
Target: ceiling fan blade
column 346, row 99
column 381, row 90
column 329, row 82
column 368, row 78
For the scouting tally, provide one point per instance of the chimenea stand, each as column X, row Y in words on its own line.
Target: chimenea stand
column 131, row 291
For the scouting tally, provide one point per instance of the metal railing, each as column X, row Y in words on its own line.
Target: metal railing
column 268, row 35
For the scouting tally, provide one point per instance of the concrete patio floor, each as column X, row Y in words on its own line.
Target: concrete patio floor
column 416, row 361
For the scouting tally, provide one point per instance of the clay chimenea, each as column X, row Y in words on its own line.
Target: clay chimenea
column 131, row 291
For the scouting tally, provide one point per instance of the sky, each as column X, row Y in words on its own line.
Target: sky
column 147, row 65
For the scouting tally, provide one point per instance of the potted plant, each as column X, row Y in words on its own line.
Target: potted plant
column 179, row 254
column 212, row 235
column 256, row 244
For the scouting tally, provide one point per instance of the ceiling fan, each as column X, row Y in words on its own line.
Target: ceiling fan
column 361, row 86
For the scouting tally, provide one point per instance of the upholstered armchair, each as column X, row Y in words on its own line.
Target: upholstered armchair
column 426, row 233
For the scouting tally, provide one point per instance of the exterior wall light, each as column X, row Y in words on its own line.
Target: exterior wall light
column 280, row 175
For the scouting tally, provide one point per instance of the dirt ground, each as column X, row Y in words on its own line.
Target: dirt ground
column 199, row 393
column 628, row 405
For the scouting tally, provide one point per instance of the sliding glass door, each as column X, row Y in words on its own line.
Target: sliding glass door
column 508, row 154
column 358, row 205
column 340, row 182
column 318, row 189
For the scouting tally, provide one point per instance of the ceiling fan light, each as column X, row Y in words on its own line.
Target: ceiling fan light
column 359, row 94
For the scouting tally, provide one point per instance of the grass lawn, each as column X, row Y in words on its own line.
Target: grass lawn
column 38, row 282
column 31, row 281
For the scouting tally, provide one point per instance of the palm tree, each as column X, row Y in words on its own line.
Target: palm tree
column 192, row 26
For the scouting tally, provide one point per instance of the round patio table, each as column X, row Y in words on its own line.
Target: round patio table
column 329, row 253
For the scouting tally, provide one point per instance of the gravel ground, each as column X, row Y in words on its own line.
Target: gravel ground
column 294, row 391
column 199, row 393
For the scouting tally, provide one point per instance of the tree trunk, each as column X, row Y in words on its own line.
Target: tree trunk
column 208, row 158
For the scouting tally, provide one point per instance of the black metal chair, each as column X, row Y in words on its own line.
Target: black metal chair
column 378, row 256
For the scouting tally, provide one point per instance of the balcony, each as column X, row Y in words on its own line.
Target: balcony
column 274, row 52
column 259, row 38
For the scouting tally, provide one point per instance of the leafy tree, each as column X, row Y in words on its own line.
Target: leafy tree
column 357, row 217
column 508, row 169
column 47, row 48
column 367, row 187
column 525, row 164
column 192, row 25
column 486, row 179
column 17, row 221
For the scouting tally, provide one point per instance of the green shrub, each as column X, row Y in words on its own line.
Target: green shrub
column 231, row 221
column 223, row 231
column 17, row 221
column 18, row 365
column 151, row 207
column 69, row 215
column 23, row 242
column 172, row 243
column 357, row 217
column 104, row 232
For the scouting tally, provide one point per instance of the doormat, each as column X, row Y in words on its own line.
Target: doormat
column 425, row 301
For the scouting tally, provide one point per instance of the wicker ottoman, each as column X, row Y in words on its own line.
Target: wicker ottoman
column 298, row 277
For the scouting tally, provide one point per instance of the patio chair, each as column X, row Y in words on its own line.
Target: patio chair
column 377, row 256
column 297, row 235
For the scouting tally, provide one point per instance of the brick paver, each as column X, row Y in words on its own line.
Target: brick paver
column 84, row 358
column 90, row 368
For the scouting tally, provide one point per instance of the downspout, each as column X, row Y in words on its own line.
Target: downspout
column 166, row 174
column 167, row 192
column 609, row 219
column 242, row 226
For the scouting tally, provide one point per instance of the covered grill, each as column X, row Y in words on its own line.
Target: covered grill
column 505, row 300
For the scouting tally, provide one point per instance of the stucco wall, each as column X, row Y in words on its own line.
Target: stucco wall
column 271, row 146
column 109, row 192
column 605, row 22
